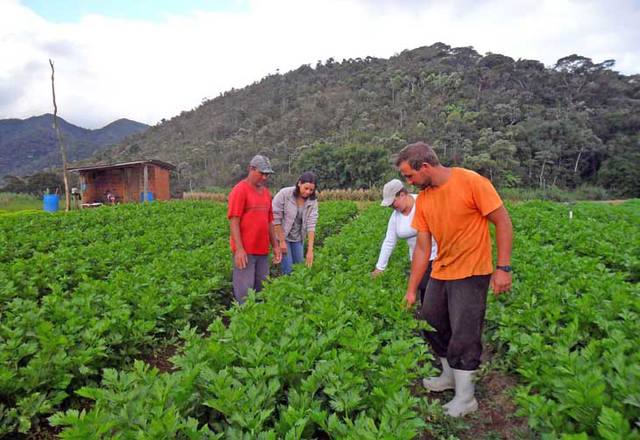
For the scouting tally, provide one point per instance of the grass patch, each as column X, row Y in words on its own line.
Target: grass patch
column 555, row 194
column 13, row 202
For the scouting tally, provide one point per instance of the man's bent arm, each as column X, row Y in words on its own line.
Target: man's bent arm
column 235, row 233
column 419, row 263
column 501, row 280
column 504, row 234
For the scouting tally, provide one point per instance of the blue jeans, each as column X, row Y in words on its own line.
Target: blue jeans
column 294, row 255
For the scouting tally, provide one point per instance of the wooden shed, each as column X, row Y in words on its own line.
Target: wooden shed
column 125, row 182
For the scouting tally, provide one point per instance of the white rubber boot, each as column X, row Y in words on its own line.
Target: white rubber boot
column 443, row 382
column 464, row 401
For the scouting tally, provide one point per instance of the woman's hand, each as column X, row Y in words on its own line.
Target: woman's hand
column 283, row 247
column 309, row 261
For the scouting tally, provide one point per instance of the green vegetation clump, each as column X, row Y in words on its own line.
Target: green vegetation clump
column 86, row 297
column 555, row 194
column 324, row 351
column 571, row 326
column 99, row 288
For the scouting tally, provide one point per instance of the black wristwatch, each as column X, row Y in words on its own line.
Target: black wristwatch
column 504, row 268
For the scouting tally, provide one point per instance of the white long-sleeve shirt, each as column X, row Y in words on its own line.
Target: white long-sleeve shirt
column 400, row 227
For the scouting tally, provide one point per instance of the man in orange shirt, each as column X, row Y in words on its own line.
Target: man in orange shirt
column 455, row 207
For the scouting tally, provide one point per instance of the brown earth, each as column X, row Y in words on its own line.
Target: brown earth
column 43, row 432
column 495, row 418
column 160, row 358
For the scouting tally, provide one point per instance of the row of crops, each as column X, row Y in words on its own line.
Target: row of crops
column 326, row 352
column 571, row 325
column 93, row 290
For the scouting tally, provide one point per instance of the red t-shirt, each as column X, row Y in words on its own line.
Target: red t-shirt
column 253, row 206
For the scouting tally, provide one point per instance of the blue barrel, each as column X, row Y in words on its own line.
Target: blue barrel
column 50, row 202
column 149, row 196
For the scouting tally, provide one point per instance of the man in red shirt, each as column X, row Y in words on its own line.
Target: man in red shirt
column 251, row 223
column 455, row 207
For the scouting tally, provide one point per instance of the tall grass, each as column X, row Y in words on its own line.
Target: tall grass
column 213, row 196
column 555, row 194
column 361, row 195
column 14, row 202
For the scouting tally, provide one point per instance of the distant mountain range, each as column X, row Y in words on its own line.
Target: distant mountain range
column 30, row 145
column 518, row 122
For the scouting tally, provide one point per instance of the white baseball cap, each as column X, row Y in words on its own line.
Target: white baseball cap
column 389, row 191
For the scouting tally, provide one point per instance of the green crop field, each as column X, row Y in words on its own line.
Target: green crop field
column 87, row 299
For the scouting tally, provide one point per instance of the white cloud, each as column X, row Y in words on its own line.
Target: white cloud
column 107, row 68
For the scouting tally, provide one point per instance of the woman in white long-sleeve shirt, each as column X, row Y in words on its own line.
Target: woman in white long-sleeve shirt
column 395, row 195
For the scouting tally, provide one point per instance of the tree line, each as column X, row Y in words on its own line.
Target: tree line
column 517, row 122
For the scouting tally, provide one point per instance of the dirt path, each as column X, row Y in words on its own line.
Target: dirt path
column 496, row 417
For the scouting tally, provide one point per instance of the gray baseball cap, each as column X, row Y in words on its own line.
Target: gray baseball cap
column 389, row 191
column 261, row 163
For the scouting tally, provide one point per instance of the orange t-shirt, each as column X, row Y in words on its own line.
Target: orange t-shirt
column 455, row 214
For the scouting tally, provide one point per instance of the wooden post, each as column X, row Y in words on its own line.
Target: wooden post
column 127, row 187
column 145, row 184
column 63, row 151
column 83, row 189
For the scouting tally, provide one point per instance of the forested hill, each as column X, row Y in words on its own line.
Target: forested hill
column 30, row 145
column 515, row 121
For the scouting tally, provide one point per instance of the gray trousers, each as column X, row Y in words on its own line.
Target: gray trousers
column 251, row 277
column 456, row 309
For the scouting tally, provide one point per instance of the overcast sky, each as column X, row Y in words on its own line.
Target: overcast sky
column 151, row 59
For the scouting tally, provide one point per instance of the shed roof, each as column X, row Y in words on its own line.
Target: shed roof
column 159, row 163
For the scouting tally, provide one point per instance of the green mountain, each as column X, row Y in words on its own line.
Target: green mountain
column 518, row 122
column 30, row 145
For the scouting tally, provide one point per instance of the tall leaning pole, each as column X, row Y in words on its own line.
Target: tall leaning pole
column 63, row 151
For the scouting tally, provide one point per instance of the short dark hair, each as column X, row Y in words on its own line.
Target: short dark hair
column 307, row 177
column 402, row 191
column 417, row 154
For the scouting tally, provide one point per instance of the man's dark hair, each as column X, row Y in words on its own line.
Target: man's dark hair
column 306, row 177
column 417, row 154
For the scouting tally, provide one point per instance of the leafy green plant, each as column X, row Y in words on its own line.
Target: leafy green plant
column 97, row 289
column 570, row 327
column 326, row 349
